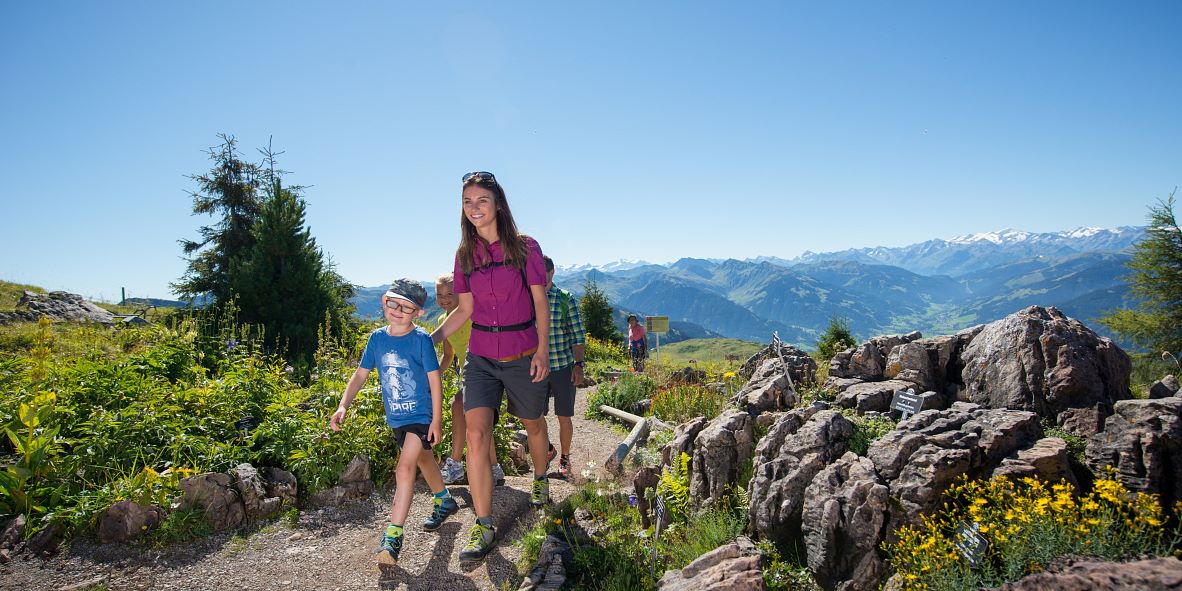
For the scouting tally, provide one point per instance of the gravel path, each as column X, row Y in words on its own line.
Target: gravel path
column 329, row 549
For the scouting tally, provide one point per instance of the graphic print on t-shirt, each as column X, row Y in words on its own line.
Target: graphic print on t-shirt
column 400, row 383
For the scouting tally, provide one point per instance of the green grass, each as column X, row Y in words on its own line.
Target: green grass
column 10, row 293
column 708, row 351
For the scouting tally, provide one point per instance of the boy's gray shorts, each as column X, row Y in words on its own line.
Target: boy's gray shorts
column 563, row 391
column 485, row 379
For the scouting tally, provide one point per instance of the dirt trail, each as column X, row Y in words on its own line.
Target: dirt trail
column 329, row 549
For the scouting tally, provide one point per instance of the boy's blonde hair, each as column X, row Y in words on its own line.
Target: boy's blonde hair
column 445, row 279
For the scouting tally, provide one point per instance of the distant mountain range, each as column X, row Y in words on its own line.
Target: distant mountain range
column 936, row 286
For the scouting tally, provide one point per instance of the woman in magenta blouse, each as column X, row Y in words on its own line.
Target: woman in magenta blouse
column 500, row 282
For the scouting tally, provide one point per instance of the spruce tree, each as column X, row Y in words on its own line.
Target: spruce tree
column 284, row 282
column 229, row 190
column 597, row 313
column 1156, row 324
column 837, row 338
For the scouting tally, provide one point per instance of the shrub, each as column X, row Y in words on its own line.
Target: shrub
column 682, row 402
column 837, row 337
column 866, row 430
column 1027, row 524
column 623, row 395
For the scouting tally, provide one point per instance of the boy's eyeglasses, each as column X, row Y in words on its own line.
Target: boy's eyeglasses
column 480, row 176
column 394, row 305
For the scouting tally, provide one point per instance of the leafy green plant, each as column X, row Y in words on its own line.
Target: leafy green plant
column 674, row 488
column 866, row 430
column 623, row 395
column 1028, row 524
column 681, row 402
column 33, row 436
column 837, row 337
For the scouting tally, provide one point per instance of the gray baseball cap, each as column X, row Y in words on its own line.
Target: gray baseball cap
column 409, row 290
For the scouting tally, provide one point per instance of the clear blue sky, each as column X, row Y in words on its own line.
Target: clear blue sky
column 646, row 130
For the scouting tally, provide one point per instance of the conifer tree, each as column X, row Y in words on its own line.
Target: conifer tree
column 837, row 338
column 1156, row 323
column 284, row 282
column 597, row 313
column 230, row 190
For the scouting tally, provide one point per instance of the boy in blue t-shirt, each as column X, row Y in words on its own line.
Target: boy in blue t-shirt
column 412, row 395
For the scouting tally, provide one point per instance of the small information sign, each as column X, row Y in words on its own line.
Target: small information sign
column 658, row 325
column 907, row 402
column 970, row 543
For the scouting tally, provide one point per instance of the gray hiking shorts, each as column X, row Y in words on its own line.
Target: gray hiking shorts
column 485, row 379
column 562, row 390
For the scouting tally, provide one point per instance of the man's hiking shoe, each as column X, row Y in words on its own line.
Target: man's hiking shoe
column 498, row 475
column 540, row 494
column 452, row 471
column 389, row 549
column 480, row 541
column 444, row 508
column 564, row 466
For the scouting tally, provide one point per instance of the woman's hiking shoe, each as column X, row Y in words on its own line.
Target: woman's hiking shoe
column 540, row 495
column 550, row 454
column 498, row 475
column 564, row 466
column 444, row 508
column 480, row 541
column 388, row 549
column 452, row 471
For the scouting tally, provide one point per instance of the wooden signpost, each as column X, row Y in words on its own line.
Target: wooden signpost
column 907, row 402
column 657, row 326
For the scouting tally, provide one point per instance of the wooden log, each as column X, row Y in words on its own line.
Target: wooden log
column 631, row 418
column 615, row 464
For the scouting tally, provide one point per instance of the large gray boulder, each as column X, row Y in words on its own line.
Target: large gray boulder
column 732, row 567
column 1150, row 574
column 683, row 440
column 721, row 451
column 1047, row 460
column 263, row 493
column 1040, row 360
column 922, row 457
column 845, row 510
column 767, row 390
column 64, row 306
column 801, row 444
column 215, row 494
column 353, row 484
column 1164, row 388
column 125, row 520
column 870, row 396
column 1143, row 441
column 801, row 365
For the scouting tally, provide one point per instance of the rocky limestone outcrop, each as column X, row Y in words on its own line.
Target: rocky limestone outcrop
column 720, row 452
column 353, row 484
column 1047, row 460
column 126, row 520
column 1143, row 441
column 845, row 512
column 866, row 397
column 796, row 448
column 60, row 306
column 1040, row 360
column 683, row 440
column 549, row 574
column 868, row 360
column 732, row 567
column 927, row 452
column 263, row 492
column 1154, row 574
column 1164, row 388
column 767, row 390
column 801, row 365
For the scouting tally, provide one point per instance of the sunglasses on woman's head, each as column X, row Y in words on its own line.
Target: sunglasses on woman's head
column 480, row 176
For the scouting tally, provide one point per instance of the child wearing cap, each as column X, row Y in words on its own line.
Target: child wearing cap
column 412, row 394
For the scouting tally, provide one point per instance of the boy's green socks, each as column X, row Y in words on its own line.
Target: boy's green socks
column 394, row 531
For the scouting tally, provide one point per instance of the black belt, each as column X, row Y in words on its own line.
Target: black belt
column 509, row 328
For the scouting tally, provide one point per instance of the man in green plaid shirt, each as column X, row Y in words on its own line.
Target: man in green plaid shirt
column 567, row 341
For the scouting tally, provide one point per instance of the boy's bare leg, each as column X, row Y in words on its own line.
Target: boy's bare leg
column 480, row 482
column 404, row 475
column 458, row 427
column 566, row 431
column 430, row 469
column 539, row 443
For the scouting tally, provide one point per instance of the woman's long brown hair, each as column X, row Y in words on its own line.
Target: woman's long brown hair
column 473, row 251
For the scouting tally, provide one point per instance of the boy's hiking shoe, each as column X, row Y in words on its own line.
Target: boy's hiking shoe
column 498, row 475
column 481, row 539
column 540, row 494
column 389, row 549
column 444, row 508
column 452, row 471
column 564, row 466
